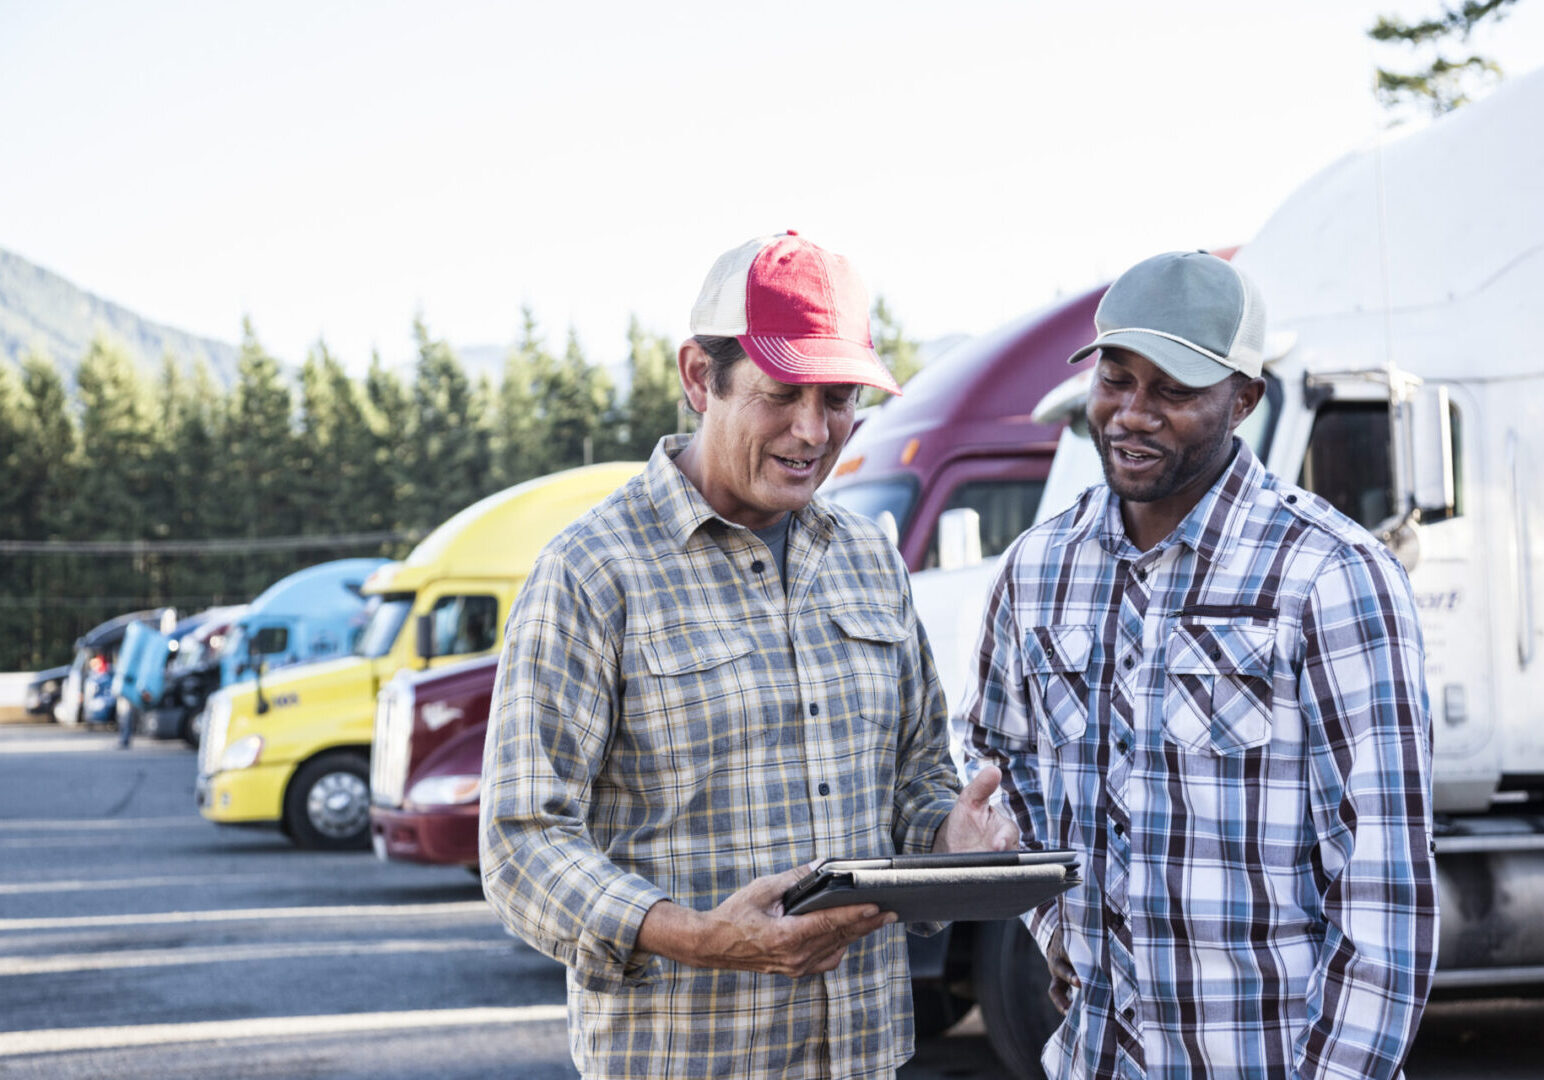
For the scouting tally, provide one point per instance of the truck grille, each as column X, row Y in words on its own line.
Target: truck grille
column 393, row 744
column 217, row 719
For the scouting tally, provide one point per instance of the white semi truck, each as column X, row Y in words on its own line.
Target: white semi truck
column 1404, row 289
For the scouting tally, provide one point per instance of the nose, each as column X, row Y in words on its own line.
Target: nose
column 810, row 425
column 1134, row 411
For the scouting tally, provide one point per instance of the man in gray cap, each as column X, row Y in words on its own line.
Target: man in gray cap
column 1209, row 683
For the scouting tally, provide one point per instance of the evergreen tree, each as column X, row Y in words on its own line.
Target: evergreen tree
column 49, row 473
column 260, row 439
column 389, row 414
column 900, row 353
column 654, row 398
column 1444, row 81
column 17, row 496
column 111, row 500
column 444, row 472
column 578, row 398
column 521, row 446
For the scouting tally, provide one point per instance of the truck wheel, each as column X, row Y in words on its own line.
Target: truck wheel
column 327, row 806
column 1011, row 980
column 189, row 727
column 935, row 1010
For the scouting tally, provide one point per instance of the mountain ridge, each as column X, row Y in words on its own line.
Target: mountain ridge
column 44, row 310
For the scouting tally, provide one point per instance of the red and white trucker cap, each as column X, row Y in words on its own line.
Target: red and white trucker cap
column 801, row 313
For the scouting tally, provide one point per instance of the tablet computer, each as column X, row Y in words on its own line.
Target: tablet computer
column 960, row 887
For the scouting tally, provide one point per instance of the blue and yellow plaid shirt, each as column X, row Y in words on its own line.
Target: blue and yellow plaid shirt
column 669, row 723
column 1232, row 730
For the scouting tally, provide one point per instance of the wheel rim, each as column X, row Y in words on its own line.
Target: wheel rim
column 338, row 805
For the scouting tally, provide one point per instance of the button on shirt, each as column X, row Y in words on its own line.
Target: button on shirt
column 670, row 723
column 1232, row 731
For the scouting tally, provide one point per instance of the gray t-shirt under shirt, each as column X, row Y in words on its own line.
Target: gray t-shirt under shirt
column 776, row 538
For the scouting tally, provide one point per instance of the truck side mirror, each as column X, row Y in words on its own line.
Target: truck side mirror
column 1431, row 469
column 959, row 538
column 423, row 627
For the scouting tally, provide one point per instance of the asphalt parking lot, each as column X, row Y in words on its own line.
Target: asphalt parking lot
column 138, row 940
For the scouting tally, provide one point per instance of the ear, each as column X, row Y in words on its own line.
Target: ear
column 694, row 365
column 1245, row 400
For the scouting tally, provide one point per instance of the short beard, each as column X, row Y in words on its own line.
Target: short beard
column 1181, row 470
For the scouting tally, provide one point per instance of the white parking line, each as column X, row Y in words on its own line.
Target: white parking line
column 52, row 824
column 87, row 745
column 158, row 918
column 60, row 1040
column 90, row 885
column 60, row 963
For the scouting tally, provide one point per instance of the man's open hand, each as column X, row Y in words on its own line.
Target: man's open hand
column 974, row 824
column 749, row 932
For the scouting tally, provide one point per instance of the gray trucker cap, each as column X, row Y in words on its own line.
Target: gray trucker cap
column 1194, row 315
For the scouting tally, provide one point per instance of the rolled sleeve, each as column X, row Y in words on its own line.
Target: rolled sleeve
column 551, row 719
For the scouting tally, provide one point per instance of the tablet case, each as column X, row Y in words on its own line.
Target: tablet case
column 963, row 887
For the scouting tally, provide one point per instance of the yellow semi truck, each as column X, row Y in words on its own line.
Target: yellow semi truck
column 293, row 750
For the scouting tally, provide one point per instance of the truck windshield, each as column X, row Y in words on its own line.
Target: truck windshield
column 897, row 496
column 386, row 616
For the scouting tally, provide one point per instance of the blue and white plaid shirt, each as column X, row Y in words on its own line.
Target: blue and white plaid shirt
column 1232, row 731
column 669, row 723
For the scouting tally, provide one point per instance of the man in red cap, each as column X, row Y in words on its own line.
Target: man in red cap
column 709, row 682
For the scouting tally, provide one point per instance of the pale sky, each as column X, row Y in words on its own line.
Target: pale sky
column 332, row 168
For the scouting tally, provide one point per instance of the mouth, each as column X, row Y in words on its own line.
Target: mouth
column 1133, row 457
column 798, row 465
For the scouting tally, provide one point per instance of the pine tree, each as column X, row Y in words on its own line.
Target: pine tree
column 521, row 446
column 444, row 473
column 654, row 398
column 900, row 353
column 1444, row 82
column 389, row 414
column 260, row 439
column 51, row 480
column 111, row 501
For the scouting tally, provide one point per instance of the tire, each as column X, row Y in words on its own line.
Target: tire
column 1011, row 980
column 935, row 1010
column 327, row 806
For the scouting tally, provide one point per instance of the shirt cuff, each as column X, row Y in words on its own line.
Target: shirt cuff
column 607, row 958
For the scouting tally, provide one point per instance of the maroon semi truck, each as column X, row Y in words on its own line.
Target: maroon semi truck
column 960, row 438
column 426, row 762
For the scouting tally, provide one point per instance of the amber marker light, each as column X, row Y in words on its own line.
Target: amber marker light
column 910, row 451
column 851, row 465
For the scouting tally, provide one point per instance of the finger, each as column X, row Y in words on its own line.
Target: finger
column 981, row 786
column 1060, row 997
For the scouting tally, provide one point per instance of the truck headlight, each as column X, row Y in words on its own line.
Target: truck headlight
column 445, row 791
column 242, row 754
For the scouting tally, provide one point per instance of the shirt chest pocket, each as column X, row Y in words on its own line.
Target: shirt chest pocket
column 872, row 640
column 1217, row 688
column 687, row 699
column 1056, row 662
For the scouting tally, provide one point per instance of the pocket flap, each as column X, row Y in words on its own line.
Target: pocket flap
column 692, row 648
column 1058, row 648
column 1220, row 649
column 870, row 624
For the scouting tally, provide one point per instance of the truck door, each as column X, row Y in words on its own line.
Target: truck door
column 1347, row 462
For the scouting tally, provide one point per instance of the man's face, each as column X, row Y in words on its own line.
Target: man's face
column 1159, row 439
column 765, row 446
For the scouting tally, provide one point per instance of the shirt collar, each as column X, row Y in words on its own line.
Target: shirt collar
column 682, row 508
column 1210, row 529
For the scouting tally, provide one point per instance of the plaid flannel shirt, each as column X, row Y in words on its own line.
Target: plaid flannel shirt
column 1232, row 731
column 668, row 723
